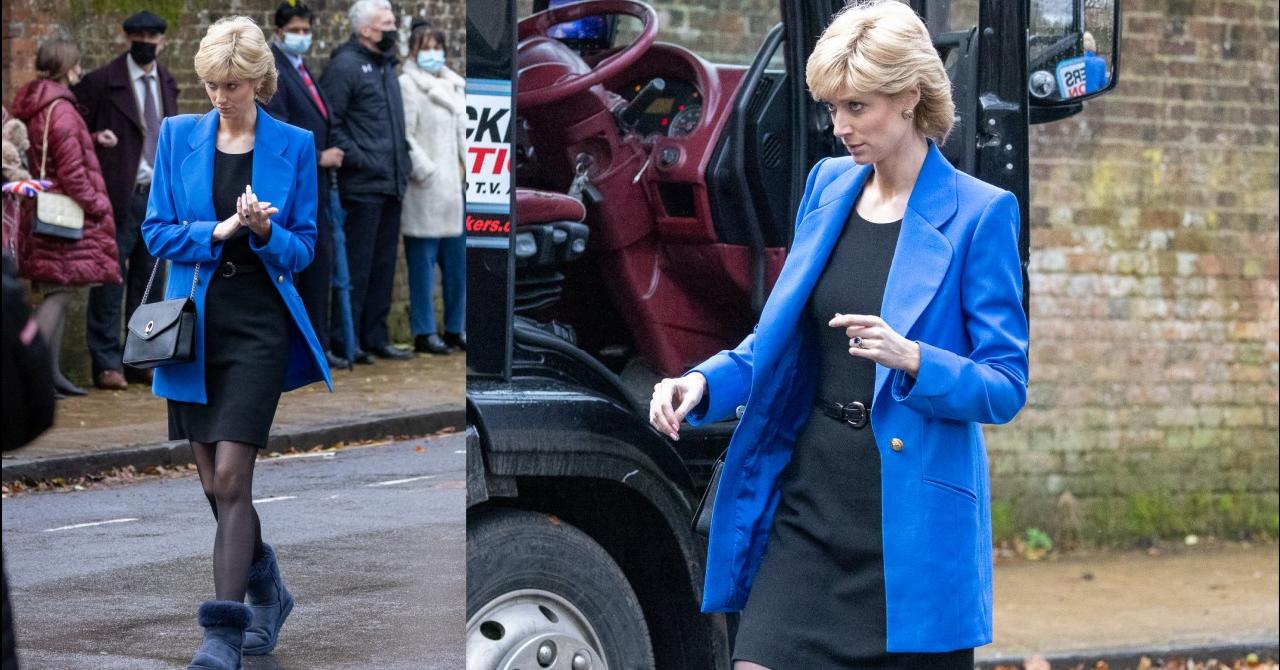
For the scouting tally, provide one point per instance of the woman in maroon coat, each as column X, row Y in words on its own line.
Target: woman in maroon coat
column 58, row 267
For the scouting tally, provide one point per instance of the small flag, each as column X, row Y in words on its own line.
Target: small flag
column 26, row 187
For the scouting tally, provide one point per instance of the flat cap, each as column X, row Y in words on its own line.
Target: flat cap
column 143, row 22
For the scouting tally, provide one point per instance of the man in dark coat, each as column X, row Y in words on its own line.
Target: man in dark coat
column 366, row 117
column 123, row 102
column 300, row 102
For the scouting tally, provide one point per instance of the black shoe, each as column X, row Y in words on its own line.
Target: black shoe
column 337, row 362
column 392, row 353
column 456, row 340
column 430, row 344
column 362, row 357
column 66, row 388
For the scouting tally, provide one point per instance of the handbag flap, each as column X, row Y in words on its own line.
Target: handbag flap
column 59, row 210
column 151, row 319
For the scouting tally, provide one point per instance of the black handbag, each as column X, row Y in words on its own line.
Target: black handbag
column 162, row 333
column 702, row 515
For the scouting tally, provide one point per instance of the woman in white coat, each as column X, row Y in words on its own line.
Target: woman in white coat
column 432, row 225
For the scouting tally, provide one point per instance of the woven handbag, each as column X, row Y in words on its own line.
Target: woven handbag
column 57, row 215
column 162, row 333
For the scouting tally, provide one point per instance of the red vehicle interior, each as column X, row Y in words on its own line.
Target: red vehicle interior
column 655, row 281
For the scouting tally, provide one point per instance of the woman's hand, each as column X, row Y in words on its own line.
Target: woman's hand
column 871, row 338
column 226, row 228
column 672, row 400
column 254, row 214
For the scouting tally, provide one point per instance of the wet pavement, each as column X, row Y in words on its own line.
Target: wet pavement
column 371, row 542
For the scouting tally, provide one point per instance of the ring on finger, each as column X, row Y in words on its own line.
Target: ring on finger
column 857, row 342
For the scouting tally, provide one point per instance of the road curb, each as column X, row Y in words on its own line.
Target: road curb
column 1120, row 659
column 171, row 453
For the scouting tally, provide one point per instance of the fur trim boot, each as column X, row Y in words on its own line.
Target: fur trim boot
column 270, row 603
column 224, row 622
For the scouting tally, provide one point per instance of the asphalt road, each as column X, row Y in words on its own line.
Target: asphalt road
column 371, row 542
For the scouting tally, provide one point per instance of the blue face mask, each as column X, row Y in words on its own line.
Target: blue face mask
column 431, row 60
column 296, row 44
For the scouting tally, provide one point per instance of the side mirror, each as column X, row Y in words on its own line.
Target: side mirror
column 1073, row 50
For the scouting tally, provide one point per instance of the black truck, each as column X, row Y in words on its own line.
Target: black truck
column 629, row 207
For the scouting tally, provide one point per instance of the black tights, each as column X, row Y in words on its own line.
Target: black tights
column 226, row 473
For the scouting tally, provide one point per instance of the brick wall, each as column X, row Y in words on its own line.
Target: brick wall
column 1154, row 291
column 95, row 27
column 1153, row 404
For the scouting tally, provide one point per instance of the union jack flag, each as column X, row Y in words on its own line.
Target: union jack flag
column 26, row 187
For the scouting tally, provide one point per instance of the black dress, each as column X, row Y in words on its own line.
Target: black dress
column 818, row 600
column 246, row 333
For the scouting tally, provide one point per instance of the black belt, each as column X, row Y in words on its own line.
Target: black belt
column 230, row 269
column 853, row 413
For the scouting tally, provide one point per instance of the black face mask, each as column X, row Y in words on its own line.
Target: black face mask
column 388, row 41
column 143, row 52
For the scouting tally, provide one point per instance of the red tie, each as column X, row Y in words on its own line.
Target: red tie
column 315, row 95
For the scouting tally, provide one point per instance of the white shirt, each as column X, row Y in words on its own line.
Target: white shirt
column 136, row 73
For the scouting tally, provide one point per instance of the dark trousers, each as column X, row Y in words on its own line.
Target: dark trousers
column 373, row 233
column 103, row 326
column 314, row 283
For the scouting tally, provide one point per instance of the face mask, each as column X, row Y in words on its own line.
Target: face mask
column 296, row 44
column 431, row 60
column 388, row 41
column 142, row 52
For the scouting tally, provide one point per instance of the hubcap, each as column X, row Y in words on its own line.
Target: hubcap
column 532, row 629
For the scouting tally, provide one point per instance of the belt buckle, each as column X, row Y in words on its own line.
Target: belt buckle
column 854, row 413
column 228, row 269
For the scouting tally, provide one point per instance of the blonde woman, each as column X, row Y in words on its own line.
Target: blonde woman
column 852, row 523
column 233, row 206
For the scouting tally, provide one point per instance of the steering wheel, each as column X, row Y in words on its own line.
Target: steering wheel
column 566, row 75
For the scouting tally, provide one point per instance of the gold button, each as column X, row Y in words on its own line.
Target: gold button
column 895, row 444
column 280, row 279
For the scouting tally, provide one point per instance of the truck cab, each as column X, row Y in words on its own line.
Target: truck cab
column 630, row 204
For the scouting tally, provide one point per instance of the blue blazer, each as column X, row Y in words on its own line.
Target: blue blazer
column 955, row 287
column 180, row 222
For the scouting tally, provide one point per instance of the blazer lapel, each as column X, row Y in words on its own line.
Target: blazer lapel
column 272, row 174
column 923, row 254
column 197, row 167
column 122, row 95
column 814, row 239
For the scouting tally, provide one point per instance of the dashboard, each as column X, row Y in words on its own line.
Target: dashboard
column 676, row 113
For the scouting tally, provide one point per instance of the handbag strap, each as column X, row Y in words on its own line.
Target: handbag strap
column 44, row 148
column 194, row 278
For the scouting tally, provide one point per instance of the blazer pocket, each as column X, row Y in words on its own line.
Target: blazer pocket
column 951, row 488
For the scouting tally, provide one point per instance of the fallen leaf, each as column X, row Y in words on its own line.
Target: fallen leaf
column 1035, row 663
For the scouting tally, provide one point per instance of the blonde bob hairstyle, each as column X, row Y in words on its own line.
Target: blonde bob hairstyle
column 881, row 46
column 235, row 49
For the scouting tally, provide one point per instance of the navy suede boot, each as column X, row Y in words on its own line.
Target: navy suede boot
column 269, row 601
column 224, row 622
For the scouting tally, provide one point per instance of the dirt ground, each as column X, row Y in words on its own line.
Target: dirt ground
column 1205, row 594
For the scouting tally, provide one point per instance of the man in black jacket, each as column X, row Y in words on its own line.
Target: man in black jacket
column 366, row 121
column 300, row 102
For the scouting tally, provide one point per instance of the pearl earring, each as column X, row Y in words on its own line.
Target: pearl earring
column 908, row 114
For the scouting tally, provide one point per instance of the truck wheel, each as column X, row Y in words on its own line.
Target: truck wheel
column 542, row 595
